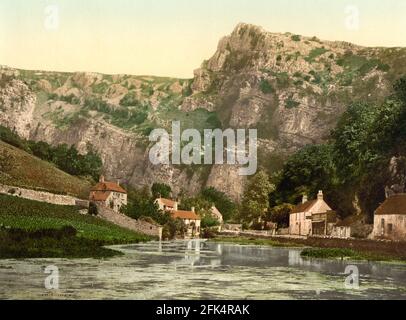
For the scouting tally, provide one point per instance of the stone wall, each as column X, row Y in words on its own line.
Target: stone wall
column 341, row 232
column 128, row 223
column 231, row 227
column 41, row 196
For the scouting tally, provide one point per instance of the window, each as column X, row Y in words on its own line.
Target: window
column 390, row 227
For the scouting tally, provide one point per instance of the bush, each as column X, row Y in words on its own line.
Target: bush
column 315, row 53
column 147, row 219
column 208, row 233
column 161, row 190
column 93, row 211
column 13, row 139
column 296, row 38
column 290, row 104
column 209, row 221
column 280, row 214
column 130, row 99
column 6, row 162
column 265, row 86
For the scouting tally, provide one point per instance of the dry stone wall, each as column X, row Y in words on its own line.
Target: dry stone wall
column 42, row 196
column 128, row 223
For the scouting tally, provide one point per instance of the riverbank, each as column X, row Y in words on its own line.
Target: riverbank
column 50, row 243
column 327, row 248
column 255, row 241
column 32, row 229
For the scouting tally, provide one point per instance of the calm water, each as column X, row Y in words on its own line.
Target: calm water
column 201, row 270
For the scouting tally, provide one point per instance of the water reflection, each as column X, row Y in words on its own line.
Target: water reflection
column 197, row 269
column 200, row 253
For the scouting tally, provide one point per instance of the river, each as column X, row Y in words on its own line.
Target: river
column 202, row 270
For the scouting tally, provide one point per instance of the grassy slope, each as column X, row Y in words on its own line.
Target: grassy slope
column 31, row 172
column 33, row 215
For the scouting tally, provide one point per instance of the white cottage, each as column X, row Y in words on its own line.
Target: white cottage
column 390, row 219
column 309, row 215
column 190, row 218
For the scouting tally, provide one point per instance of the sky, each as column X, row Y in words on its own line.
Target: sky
column 173, row 37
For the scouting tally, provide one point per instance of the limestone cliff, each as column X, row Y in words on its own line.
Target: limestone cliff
column 291, row 88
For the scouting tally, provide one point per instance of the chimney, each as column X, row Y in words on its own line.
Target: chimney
column 320, row 195
column 175, row 206
column 193, row 209
column 101, row 178
column 304, row 198
column 118, row 181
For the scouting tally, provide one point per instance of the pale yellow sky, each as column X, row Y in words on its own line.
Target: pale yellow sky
column 173, row 37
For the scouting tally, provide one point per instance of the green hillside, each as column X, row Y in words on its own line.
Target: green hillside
column 28, row 171
column 32, row 229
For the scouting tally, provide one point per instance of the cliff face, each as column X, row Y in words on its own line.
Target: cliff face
column 17, row 103
column 290, row 88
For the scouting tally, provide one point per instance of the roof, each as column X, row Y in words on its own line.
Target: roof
column 185, row 215
column 215, row 211
column 167, row 202
column 108, row 186
column 99, row 195
column 396, row 204
column 304, row 207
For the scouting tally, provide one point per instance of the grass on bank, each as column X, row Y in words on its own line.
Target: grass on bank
column 346, row 254
column 315, row 252
column 50, row 243
column 255, row 241
column 34, row 216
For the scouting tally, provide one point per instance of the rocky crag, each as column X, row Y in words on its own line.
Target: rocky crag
column 289, row 87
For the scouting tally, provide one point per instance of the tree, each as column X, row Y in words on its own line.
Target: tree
column 351, row 139
column 280, row 214
column 222, row 202
column 400, row 89
column 161, row 190
column 209, row 221
column 255, row 203
column 306, row 172
column 6, row 162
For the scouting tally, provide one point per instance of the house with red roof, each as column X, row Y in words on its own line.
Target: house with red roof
column 109, row 194
column 390, row 218
column 190, row 218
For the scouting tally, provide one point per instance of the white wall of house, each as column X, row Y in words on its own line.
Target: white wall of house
column 116, row 201
column 300, row 224
column 189, row 226
column 390, row 226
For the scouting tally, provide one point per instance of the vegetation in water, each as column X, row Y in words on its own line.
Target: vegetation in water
column 344, row 254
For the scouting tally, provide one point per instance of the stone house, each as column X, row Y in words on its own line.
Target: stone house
column 191, row 220
column 216, row 214
column 390, row 219
column 311, row 215
column 108, row 194
column 166, row 204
